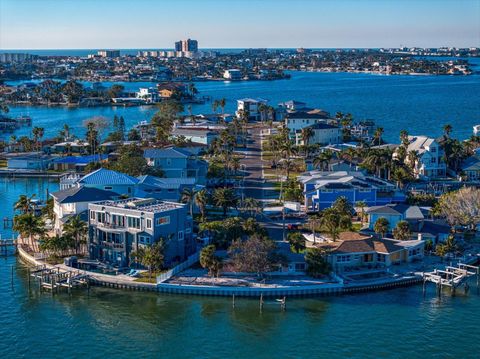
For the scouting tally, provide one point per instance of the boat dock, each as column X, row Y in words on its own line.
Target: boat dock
column 54, row 279
column 452, row 277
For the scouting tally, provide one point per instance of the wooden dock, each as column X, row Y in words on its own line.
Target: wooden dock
column 54, row 279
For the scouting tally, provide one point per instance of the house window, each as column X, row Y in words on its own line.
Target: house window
column 180, row 236
column 169, row 161
column 149, row 223
column 92, row 214
column 108, row 188
column 144, row 239
column 162, row 220
column 133, row 222
column 100, row 217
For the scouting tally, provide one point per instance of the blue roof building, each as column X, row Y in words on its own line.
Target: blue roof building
column 109, row 180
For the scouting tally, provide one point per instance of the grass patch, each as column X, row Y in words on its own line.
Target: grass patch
column 144, row 277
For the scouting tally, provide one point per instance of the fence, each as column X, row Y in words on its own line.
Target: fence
column 177, row 269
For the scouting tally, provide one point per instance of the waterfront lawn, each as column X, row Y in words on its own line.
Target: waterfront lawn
column 144, row 277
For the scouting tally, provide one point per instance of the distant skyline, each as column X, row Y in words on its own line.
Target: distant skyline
column 123, row 24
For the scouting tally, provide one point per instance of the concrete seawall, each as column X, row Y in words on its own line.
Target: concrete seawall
column 225, row 291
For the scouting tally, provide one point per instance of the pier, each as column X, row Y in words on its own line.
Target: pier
column 54, row 279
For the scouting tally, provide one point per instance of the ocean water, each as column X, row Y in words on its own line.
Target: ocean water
column 399, row 323
column 419, row 104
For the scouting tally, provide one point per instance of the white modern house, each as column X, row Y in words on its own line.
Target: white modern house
column 250, row 106
column 296, row 121
column 323, row 134
column 148, row 94
column 232, row 74
column 430, row 163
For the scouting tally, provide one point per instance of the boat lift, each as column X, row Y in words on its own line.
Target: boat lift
column 452, row 277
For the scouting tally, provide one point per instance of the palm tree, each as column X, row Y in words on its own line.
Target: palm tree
column 76, row 229
column 201, row 201
column 288, row 149
column 151, row 257
column 381, row 226
column 252, row 205
column 188, row 195
column 29, row 226
column 402, row 231
column 377, row 136
column 361, row 205
column 404, row 137
column 447, row 129
column 24, row 204
column 37, row 135
column 215, row 105
column 333, row 221
column 307, row 134
column 225, row 198
column 222, row 104
column 413, row 157
column 322, row 160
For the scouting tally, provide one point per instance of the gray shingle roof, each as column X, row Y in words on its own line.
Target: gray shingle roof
column 82, row 194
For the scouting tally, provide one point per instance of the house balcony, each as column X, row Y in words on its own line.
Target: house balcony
column 112, row 245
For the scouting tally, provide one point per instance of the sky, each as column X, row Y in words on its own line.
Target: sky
column 123, row 24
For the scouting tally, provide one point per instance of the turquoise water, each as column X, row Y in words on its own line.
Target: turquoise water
column 399, row 323
column 11, row 189
column 420, row 104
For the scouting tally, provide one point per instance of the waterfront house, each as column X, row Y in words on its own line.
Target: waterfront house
column 357, row 254
column 33, row 161
column 117, row 228
column 177, row 163
column 148, row 94
column 232, row 74
column 74, row 201
column 292, row 105
column 167, row 90
column 323, row 134
column 430, row 163
column 394, row 213
column 321, row 189
column 76, row 163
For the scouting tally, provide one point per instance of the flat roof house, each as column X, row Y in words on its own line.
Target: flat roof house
column 117, row 228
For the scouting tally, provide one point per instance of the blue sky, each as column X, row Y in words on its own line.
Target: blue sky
column 56, row 24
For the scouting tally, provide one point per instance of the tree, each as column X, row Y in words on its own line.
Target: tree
column 377, row 136
column 307, row 134
column 297, row 241
column 163, row 120
column 255, row 255
column 461, row 207
column 24, row 203
column 343, row 206
column 37, row 135
column 134, row 135
column 201, row 201
column 322, row 160
column 210, row 261
column 47, row 211
column 317, row 264
column 188, row 195
column 361, row 205
column 333, row 222
column 151, row 257
column 225, row 198
column 77, row 230
column 131, row 161
column 447, row 129
column 253, row 205
column 402, row 231
column 29, row 226
column 115, row 91
column 381, row 226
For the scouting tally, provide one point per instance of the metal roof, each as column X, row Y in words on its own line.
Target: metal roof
column 104, row 176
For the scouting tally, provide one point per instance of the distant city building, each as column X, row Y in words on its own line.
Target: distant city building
column 15, row 57
column 187, row 45
column 108, row 53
